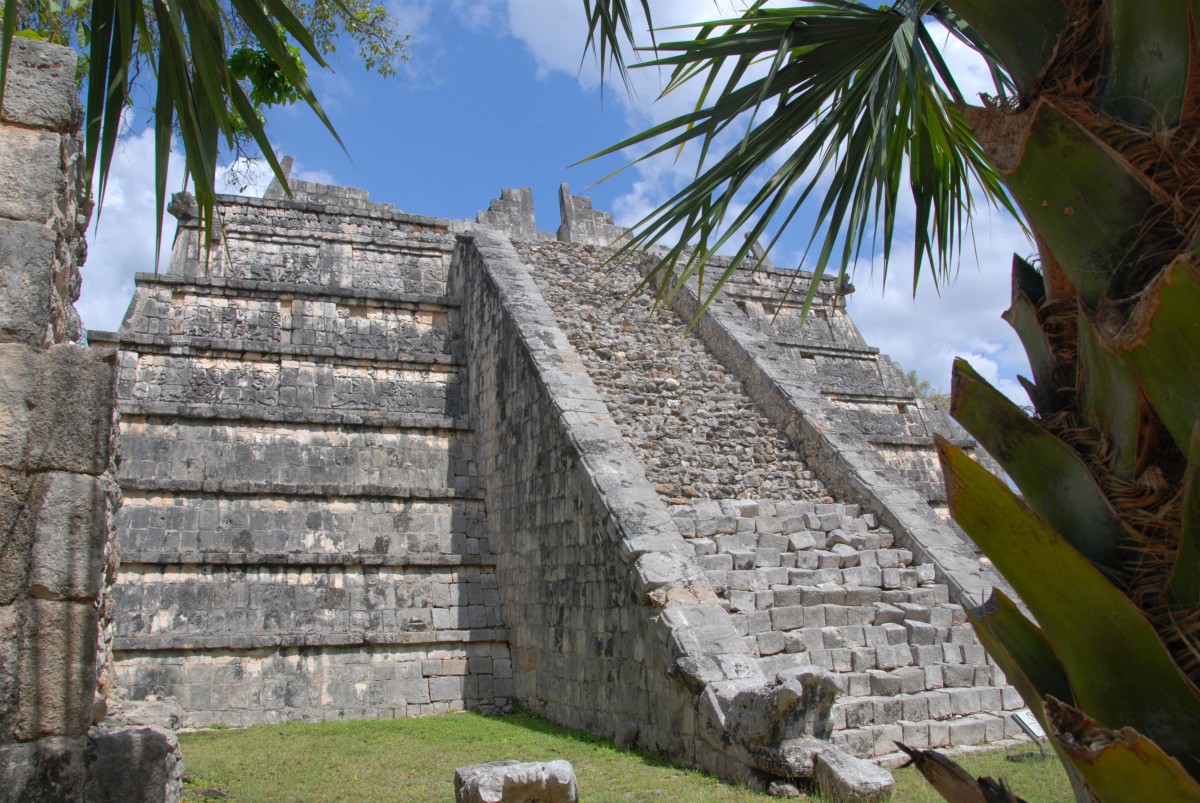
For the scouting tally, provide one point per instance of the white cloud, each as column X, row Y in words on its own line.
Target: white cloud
column 121, row 237
column 926, row 333
column 479, row 15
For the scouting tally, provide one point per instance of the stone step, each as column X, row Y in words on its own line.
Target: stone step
column 418, row 353
column 344, row 419
column 689, row 420
column 968, row 731
column 222, row 602
column 302, row 385
column 171, row 451
column 328, row 529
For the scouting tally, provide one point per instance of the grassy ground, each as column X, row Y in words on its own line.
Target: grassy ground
column 414, row 760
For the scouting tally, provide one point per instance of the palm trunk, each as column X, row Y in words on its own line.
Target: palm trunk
column 1100, row 153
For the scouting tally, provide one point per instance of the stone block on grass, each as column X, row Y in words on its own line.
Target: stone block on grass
column 516, row 781
column 841, row 776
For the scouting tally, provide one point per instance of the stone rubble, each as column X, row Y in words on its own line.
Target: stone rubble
column 516, row 782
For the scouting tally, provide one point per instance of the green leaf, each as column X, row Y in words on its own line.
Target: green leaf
column 1184, row 586
column 1023, row 316
column 1123, row 763
column 1117, row 666
column 1085, row 201
column 1072, row 502
column 1021, row 650
column 1023, row 33
column 862, row 94
column 1162, row 343
column 1108, row 391
column 610, row 24
column 1149, row 40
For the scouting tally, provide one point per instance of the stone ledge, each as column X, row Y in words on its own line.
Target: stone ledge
column 181, row 346
column 867, row 354
column 294, row 416
column 131, row 558
column 330, row 490
column 923, row 441
column 321, row 292
column 748, row 280
column 834, row 393
column 259, row 289
column 249, row 641
column 376, row 210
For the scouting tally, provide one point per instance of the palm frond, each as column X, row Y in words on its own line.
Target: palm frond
column 196, row 94
column 832, row 92
column 610, row 26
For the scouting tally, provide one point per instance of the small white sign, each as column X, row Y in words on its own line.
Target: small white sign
column 1028, row 723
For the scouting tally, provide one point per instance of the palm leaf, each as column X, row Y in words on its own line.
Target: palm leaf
column 610, row 25
column 185, row 44
column 848, row 94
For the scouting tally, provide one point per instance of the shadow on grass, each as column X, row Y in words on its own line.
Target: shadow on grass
column 529, row 721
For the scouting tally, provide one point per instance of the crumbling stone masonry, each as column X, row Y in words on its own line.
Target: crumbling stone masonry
column 303, row 532
column 380, row 465
column 57, row 485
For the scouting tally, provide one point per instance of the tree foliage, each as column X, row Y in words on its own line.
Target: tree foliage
column 212, row 66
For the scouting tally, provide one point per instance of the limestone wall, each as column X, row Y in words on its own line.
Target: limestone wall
column 614, row 626
column 303, row 534
column 57, row 492
column 316, row 242
column 809, row 578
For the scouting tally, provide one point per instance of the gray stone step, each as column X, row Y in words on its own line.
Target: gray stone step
column 691, row 423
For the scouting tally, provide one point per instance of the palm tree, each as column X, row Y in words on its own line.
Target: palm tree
column 1092, row 134
column 214, row 63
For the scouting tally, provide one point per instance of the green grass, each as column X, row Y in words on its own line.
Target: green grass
column 414, row 760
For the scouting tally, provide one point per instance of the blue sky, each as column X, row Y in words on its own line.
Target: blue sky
column 494, row 95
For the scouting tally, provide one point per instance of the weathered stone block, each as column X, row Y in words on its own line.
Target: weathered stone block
column 72, row 410
column 27, row 262
column 516, row 782
column 30, row 177
column 41, row 88
column 17, row 512
column 10, row 649
column 68, row 548
column 841, row 776
column 57, row 677
column 44, row 771
column 139, row 765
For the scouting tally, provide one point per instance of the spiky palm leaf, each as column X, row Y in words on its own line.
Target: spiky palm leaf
column 1100, row 150
column 196, row 94
column 833, row 91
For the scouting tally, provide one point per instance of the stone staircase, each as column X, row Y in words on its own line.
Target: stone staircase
column 819, row 584
column 303, row 536
column 807, row 580
column 696, row 431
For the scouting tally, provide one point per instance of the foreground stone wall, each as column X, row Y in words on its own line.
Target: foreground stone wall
column 303, row 536
column 57, row 492
column 586, row 648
